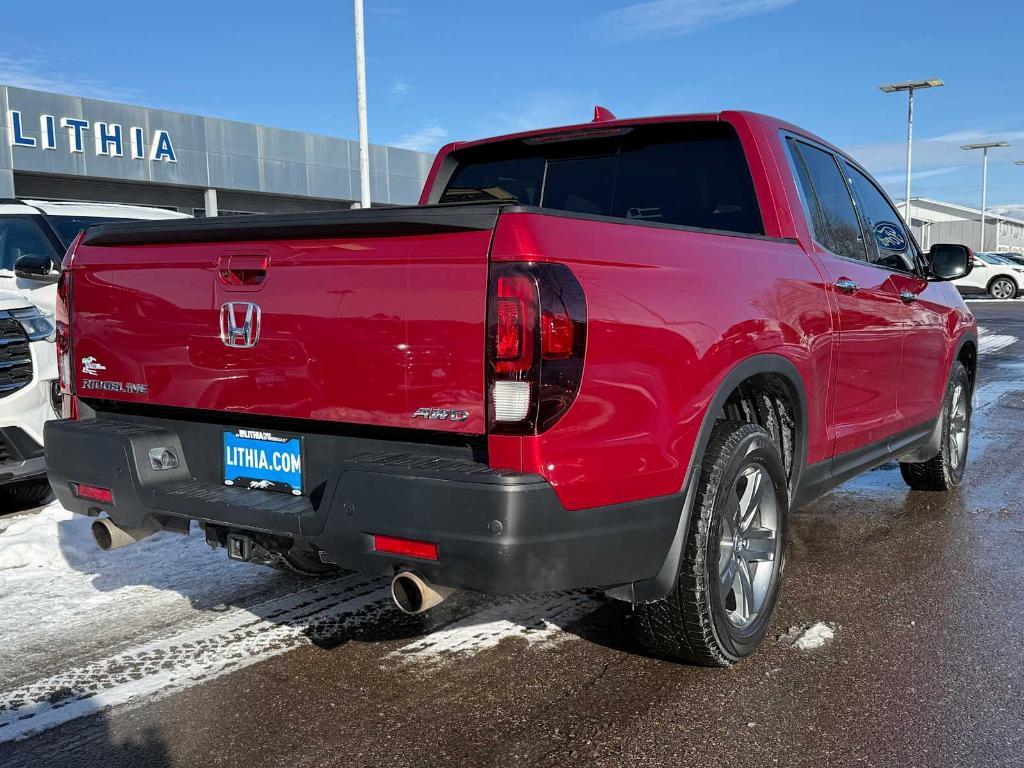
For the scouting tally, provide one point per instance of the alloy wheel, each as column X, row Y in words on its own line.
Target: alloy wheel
column 1003, row 289
column 958, row 425
column 748, row 548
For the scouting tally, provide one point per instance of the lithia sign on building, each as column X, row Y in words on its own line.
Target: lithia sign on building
column 109, row 139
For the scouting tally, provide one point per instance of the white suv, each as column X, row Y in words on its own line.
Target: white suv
column 28, row 398
column 42, row 231
column 993, row 274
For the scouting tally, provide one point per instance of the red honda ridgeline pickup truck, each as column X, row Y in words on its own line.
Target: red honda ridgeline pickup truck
column 611, row 355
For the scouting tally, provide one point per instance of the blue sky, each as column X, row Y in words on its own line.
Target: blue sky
column 440, row 69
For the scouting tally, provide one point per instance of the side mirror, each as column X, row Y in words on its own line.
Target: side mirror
column 35, row 266
column 950, row 262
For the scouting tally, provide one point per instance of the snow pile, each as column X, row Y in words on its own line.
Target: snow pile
column 537, row 619
column 993, row 342
column 52, row 538
column 809, row 637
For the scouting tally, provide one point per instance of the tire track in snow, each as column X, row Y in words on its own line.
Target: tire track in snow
column 244, row 637
column 162, row 667
column 536, row 618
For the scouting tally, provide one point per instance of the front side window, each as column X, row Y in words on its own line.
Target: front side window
column 889, row 244
column 22, row 236
column 689, row 174
column 835, row 224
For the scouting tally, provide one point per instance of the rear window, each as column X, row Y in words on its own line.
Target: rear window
column 688, row 174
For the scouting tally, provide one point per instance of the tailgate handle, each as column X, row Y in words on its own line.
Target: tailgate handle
column 242, row 270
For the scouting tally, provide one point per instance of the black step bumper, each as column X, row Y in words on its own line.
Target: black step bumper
column 497, row 531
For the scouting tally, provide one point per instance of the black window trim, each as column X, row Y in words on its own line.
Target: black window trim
column 839, row 159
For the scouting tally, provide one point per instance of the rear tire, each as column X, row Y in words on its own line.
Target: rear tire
column 722, row 602
column 28, row 492
column 945, row 471
column 1002, row 288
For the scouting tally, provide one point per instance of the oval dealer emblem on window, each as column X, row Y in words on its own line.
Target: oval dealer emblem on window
column 890, row 237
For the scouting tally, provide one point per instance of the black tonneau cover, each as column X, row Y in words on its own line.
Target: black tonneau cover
column 405, row 220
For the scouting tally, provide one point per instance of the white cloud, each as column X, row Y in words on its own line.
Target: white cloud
column 400, row 87
column 892, row 178
column 977, row 136
column 1014, row 210
column 32, row 72
column 427, row 139
column 537, row 110
column 673, row 18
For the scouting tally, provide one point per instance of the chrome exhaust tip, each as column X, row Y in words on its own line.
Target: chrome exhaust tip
column 413, row 594
column 108, row 535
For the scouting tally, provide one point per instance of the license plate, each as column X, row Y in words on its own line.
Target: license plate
column 266, row 461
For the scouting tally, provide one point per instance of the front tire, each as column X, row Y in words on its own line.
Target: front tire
column 720, row 607
column 945, row 471
column 1002, row 288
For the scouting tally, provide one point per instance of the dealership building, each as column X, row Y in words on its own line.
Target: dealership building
column 57, row 147
column 936, row 221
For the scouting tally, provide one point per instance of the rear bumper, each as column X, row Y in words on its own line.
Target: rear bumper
column 498, row 532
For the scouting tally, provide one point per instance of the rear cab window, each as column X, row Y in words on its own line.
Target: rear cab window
column 683, row 174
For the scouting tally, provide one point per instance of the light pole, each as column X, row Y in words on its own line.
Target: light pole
column 985, row 147
column 909, row 86
column 364, row 141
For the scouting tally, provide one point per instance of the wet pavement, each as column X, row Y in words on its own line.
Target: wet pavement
column 923, row 592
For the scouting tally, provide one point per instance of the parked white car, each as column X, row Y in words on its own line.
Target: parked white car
column 28, row 398
column 993, row 274
column 44, row 230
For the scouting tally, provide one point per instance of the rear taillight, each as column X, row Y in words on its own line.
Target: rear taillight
column 537, row 327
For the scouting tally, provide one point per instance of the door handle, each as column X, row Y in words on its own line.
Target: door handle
column 908, row 297
column 846, row 285
column 239, row 270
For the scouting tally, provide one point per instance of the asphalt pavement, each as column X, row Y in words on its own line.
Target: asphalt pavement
column 923, row 593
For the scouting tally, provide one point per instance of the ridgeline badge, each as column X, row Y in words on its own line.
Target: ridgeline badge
column 108, row 138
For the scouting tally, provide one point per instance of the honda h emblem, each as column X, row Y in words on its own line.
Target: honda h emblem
column 240, row 324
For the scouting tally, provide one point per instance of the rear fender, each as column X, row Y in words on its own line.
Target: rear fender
column 657, row 588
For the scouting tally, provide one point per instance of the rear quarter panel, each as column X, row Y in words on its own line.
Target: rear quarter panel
column 670, row 313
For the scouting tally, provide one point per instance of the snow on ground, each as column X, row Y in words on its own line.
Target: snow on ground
column 31, row 540
column 82, row 629
column 809, row 637
column 538, row 619
column 993, row 342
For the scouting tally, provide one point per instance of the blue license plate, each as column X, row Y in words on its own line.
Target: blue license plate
column 266, row 461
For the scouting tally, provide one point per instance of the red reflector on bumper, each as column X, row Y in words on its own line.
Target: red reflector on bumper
column 93, row 493
column 424, row 550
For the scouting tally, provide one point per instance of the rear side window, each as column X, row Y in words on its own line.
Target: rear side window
column 690, row 174
column 889, row 245
column 834, row 219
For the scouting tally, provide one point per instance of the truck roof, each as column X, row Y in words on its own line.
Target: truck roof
column 732, row 116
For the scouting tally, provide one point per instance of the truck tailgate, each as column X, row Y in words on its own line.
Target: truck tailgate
column 363, row 316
